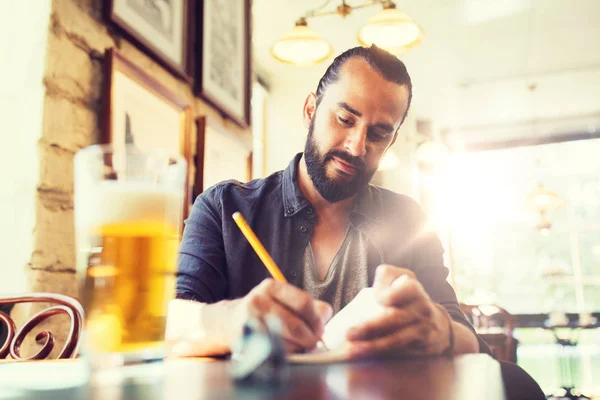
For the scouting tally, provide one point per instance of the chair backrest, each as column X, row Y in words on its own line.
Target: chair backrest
column 486, row 316
column 14, row 338
column 496, row 326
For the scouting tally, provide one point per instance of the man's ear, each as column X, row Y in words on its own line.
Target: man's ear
column 310, row 105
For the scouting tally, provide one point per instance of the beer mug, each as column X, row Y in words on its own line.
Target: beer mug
column 128, row 215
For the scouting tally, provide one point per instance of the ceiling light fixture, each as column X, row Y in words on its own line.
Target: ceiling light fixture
column 542, row 201
column 390, row 29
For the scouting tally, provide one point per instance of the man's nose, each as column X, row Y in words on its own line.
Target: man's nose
column 356, row 141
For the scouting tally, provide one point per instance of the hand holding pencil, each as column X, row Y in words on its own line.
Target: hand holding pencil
column 303, row 318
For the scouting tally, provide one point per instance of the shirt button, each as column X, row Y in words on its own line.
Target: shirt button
column 303, row 229
column 294, row 274
column 290, row 210
column 309, row 210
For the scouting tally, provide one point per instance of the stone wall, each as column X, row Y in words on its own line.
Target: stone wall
column 73, row 81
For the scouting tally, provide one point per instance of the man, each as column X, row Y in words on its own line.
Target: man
column 330, row 232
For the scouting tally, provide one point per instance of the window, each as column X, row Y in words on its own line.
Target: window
column 497, row 255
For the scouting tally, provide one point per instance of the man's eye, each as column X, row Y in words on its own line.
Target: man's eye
column 344, row 121
column 377, row 136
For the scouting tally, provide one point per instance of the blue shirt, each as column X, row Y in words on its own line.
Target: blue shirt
column 216, row 262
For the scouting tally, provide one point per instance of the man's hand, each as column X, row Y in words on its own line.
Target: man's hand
column 410, row 324
column 302, row 317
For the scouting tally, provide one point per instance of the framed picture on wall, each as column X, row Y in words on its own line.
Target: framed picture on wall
column 139, row 111
column 220, row 155
column 223, row 57
column 162, row 28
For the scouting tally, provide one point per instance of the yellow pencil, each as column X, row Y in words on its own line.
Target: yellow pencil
column 261, row 251
column 258, row 247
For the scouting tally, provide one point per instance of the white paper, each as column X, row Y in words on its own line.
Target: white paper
column 361, row 309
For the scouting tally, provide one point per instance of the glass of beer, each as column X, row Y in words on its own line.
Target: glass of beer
column 128, row 219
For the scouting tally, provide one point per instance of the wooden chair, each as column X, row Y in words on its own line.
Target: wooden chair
column 14, row 338
column 496, row 327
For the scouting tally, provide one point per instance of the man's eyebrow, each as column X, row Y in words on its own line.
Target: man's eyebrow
column 380, row 125
column 349, row 109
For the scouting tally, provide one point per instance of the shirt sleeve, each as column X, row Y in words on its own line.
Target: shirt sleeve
column 201, row 265
column 428, row 266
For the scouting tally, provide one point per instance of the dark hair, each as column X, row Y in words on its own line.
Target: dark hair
column 387, row 64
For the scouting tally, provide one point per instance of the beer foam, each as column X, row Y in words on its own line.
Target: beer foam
column 108, row 202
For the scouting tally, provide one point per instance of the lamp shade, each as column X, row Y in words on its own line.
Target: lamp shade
column 301, row 46
column 542, row 200
column 392, row 30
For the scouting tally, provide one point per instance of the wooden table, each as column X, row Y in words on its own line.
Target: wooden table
column 466, row 377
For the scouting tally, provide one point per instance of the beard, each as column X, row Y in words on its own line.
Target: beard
column 331, row 189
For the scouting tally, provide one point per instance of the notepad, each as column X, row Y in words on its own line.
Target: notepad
column 362, row 308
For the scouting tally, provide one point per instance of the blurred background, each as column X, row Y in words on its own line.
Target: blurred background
column 500, row 146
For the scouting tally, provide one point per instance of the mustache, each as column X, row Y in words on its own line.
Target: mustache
column 355, row 162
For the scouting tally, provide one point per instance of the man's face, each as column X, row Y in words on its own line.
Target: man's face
column 355, row 124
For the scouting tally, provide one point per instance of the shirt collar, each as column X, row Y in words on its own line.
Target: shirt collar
column 293, row 199
column 368, row 209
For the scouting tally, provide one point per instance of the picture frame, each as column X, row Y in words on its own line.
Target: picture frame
column 220, row 155
column 223, row 54
column 139, row 110
column 163, row 29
